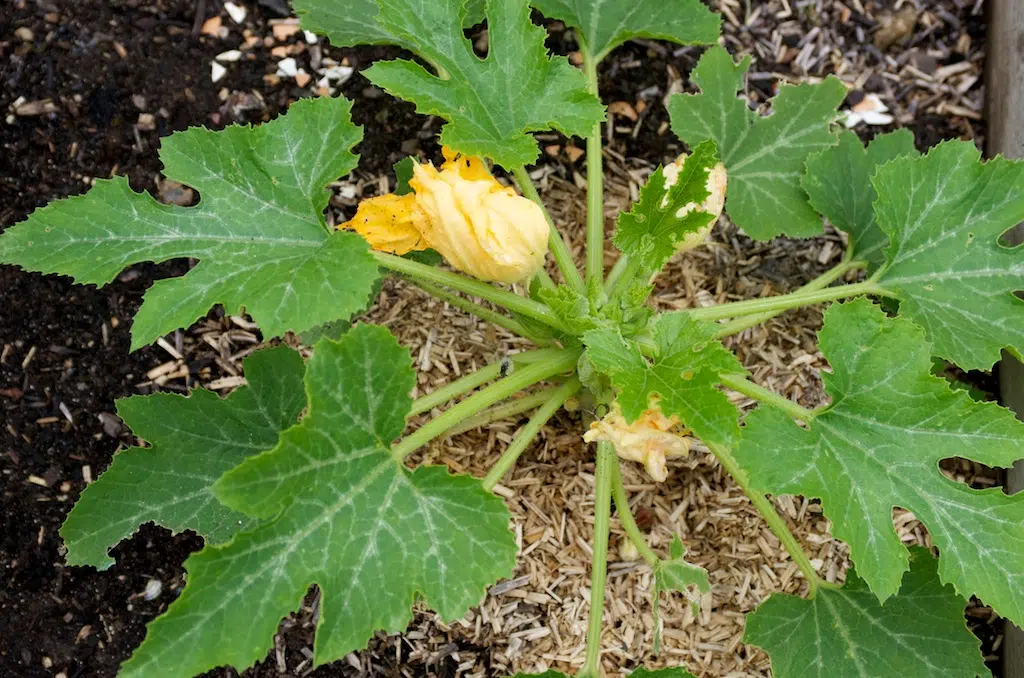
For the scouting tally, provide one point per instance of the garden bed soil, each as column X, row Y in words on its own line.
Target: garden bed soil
column 91, row 85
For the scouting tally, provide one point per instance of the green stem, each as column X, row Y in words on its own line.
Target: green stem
column 506, row 410
column 595, row 186
column 606, row 461
column 559, row 250
column 775, row 522
column 760, row 393
column 821, row 282
column 517, row 381
column 476, row 288
column 617, row 270
column 628, row 275
column 627, row 520
column 545, row 280
column 785, row 301
column 529, row 432
column 475, row 379
column 482, row 312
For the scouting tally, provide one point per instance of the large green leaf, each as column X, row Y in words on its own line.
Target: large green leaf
column 764, row 156
column 838, row 181
column 346, row 516
column 944, row 213
column 606, row 25
column 491, row 104
column 259, row 230
column 683, row 375
column 193, row 442
column 845, row 633
column 357, row 22
column 661, row 218
column 879, row 445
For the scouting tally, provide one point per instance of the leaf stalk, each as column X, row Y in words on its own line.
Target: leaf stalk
column 628, row 521
column 506, row 410
column 786, row 301
column 764, row 395
column 606, row 461
column 595, row 186
column 482, row 312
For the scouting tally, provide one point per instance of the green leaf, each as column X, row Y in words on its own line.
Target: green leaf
column 845, row 633
column 675, row 574
column 403, row 173
column 672, row 672
column 193, row 441
column 683, row 376
column 879, row 445
column 944, row 213
column 357, row 22
column 606, row 25
column 838, row 181
column 346, row 516
column 259, row 230
column 572, row 308
column 490, row 104
column 659, row 221
column 764, row 156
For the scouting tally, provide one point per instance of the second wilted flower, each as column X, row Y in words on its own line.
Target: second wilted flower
column 481, row 227
column 650, row 440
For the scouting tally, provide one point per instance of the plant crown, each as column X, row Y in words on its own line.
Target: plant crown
column 295, row 478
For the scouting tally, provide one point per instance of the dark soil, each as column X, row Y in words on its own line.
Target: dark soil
column 101, row 63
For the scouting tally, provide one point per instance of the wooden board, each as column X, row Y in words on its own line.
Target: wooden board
column 1004, row 83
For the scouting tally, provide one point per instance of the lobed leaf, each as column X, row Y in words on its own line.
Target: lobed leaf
column 845, row 633
column 878, row 446
column 683, row 376
column 344, row 514
column 944, row 214
column 259, row 230
column 675, row 574
column 659, row 221
column 193, row 441
column 606, row 25
column 358, row 22
column 491, row 104
column 764, row 156
column 838, row 181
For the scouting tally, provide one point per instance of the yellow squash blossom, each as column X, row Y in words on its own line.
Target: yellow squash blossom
column 649, row 440
column 481, row 227
column 713, row 204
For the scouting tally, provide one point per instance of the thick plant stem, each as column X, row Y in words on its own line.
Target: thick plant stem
column 775, row 522
column 477, row 288
column 475, row 379
column 786, row 301
column 606, row 461
column 627, row 519
column 625, row 277
column 517, row 381
column 760, row 393
column 616, row 272
column 559, row 250
column 595, row 187
column 506, row 410
column 482, row 312
column 821, row 282
column 529, row 432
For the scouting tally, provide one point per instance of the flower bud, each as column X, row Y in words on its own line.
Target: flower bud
column 390, row 223
column 649, row 440
column 481, row 227
column 713, row 204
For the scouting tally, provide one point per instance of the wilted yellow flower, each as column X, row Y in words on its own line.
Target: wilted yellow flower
column 481, row 227
column 649, row 440
column 390, row 223
column 713, row 204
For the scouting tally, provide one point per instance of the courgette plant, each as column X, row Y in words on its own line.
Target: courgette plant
column 298, row 478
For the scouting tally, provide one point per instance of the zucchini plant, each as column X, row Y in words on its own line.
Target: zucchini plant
column 300, row 477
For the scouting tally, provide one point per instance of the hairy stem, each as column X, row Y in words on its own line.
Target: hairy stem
column 627, row 520
column 617, row 270
column 786, row 301
column 529, row 432
column 482, row 312
column 775, row 522
column 628, row 274
column 595, row 187
column 506, row 410
column 475, row 379
column 545, row 280
column 477, row 288
column 821, row 282
column 606, row 461
column 559, row 250
column 760, row 393
column 517, row 381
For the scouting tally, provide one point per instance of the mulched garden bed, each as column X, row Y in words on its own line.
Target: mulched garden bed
column 89, row 87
